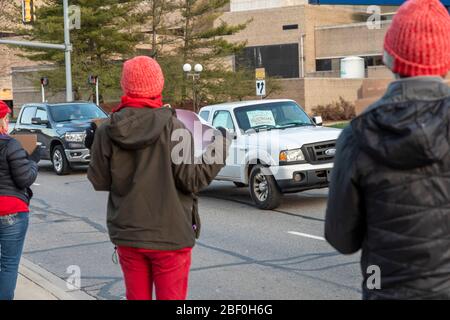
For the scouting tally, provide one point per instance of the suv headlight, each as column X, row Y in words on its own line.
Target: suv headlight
column 292, row 155
column 75, row 136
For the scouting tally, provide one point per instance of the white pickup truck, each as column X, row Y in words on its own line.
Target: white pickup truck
column 277, row 148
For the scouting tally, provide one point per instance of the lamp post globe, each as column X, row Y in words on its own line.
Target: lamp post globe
column 187, row 67
column 198, row 68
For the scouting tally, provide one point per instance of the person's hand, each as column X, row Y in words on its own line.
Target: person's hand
column 90, row 135
column 36, row 155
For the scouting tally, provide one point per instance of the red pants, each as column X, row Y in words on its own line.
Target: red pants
column 167, row 270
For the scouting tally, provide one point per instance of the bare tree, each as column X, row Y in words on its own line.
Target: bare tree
column 156, row 16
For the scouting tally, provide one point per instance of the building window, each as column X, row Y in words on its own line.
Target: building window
column 374, row 61
column 290, row 27
column 324, row 65
column 278, row 60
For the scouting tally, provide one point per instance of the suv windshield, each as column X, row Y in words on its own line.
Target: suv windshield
column 277, row 115
column 71, row 112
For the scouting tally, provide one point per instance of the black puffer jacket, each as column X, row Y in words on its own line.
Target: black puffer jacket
column 390, row 191
column 17, row 172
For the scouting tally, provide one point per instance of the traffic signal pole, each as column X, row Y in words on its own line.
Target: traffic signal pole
column 68, row 51
column 66, row 47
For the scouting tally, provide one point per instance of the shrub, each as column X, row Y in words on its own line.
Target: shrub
column 336, row 111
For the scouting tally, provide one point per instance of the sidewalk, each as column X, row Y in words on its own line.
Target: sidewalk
column 35, row 283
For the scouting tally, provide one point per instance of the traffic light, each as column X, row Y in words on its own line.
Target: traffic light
column 93, row 80
column 27, row 11
column 44, row 81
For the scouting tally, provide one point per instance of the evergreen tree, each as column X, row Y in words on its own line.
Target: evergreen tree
column 107, row 34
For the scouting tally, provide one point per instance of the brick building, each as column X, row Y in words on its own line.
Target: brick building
column 303, row 45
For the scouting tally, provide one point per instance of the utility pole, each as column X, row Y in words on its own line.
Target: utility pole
column 66, row 47
column 67, row 52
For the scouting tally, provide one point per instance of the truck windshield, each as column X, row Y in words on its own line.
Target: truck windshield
column 276, row 115
column 74, row 112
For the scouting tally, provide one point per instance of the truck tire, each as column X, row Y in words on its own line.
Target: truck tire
column 61, row 165
column 264, row 189
column 240, row 184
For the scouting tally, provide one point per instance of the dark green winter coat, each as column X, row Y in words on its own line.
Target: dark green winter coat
column 152, row 201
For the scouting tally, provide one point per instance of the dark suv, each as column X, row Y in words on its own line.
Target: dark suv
column 60, row 130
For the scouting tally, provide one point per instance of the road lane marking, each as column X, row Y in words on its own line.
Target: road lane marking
column 36, row 184
column 305, row 235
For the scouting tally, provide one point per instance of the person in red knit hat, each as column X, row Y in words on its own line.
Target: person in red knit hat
column 390, row 188
column 153, row 216
column 17, row 173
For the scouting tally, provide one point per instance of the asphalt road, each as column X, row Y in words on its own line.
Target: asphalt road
column 243, row 253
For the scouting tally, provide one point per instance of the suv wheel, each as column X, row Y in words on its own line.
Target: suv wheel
column 60, row 164
column 264, row 189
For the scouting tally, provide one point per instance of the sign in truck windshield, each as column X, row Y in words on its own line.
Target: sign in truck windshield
column 261, row 118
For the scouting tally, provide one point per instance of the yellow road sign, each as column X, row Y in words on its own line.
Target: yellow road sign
column 260, row 73
column 6, row 94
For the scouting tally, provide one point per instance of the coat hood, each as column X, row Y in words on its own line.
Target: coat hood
column 134, row 129
column 409, row 127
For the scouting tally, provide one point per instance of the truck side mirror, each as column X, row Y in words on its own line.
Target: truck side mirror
column 318, row 121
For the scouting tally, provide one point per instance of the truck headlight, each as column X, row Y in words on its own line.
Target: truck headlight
column 292, row 156
column 75, row 136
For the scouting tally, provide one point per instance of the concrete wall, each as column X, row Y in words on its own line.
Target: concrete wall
column 379, row 72
column 322, row 16
column 266, row 27
column 291, row 89
column 349, row 40
column 322, row 91
column 311, row 92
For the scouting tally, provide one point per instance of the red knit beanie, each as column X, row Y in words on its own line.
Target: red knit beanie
column 418, row 39
column 4, row 109
column 142, row 77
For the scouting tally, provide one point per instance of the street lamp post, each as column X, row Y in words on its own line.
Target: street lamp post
column 94, row 80
column 195, row 76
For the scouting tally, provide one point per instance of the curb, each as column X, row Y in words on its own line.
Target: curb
column 50, row 283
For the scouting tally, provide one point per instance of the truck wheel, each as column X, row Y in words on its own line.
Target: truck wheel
column 239, row 184
column 264, row 189
column 60, row 164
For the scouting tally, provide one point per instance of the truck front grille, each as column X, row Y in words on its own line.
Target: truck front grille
column 317, row 153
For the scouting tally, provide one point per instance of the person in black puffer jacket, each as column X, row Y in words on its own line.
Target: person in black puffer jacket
column 18, row 172
column 390, row 188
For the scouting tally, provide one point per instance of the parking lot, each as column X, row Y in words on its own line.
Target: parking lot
column 243, row 252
